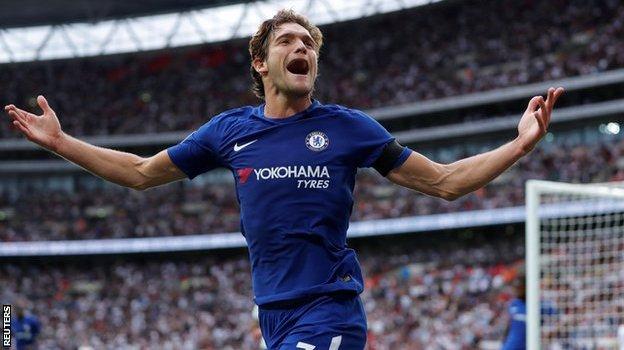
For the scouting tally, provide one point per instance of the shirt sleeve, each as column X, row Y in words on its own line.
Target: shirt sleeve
column 371, row 138
column 199, row 152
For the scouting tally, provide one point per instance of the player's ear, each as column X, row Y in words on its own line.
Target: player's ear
column 260, row 66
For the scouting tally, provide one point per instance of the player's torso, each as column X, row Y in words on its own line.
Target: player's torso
column 292, row 176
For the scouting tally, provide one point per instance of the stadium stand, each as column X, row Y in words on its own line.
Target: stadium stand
column 425, row 294
column 115, row 212
column 417, row 297
column 422, row 60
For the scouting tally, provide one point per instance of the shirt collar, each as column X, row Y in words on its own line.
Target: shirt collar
column 259, row 112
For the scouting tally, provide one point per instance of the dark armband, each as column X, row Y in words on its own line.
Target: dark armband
column 389, row 156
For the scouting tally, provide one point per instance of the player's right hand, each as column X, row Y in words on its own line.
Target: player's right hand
column 44, row 130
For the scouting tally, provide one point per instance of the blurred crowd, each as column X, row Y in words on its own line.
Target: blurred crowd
column 583, row 277
column 443, row 296
column 188, row 208
column 438, row 296
column 441, row 50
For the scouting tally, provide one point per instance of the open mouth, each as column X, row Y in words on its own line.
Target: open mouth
column 298, row 66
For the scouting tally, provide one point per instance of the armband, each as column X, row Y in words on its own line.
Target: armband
column 390, row 154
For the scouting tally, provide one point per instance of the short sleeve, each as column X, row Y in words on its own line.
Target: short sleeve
column 370, row 140
column 199, row 152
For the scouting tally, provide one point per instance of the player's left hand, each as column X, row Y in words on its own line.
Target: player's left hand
column 534, row 123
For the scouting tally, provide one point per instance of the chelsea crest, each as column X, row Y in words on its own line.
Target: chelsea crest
column 317, row 141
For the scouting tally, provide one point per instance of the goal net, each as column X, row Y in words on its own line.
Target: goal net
column 575, row 265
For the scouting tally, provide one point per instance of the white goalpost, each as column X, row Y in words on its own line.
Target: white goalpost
column 574, row 265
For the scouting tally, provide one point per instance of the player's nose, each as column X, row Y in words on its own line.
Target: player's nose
column 300, row 48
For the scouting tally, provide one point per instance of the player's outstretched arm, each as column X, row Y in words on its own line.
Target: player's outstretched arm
column 451, row 181
column 122, row 168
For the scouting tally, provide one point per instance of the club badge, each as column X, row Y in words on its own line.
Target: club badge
column 316, row 141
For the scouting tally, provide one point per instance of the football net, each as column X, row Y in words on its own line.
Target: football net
column 575, row 265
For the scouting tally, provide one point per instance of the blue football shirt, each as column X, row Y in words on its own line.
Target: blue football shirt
column 516, row 339
column 25, row 331
column 294, row 183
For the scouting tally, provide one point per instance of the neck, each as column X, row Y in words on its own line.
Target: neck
column 280, row 106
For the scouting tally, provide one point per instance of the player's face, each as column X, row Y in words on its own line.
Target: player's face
column 291, row 61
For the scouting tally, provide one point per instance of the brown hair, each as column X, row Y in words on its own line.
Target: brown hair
column 259, row 43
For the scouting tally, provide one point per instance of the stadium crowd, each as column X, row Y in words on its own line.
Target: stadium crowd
column 442, row 296
column 385, row 60
column 186, row 208
column 583, row 276
column 438, row 296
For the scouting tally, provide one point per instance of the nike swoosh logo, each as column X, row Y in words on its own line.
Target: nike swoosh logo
column 238, row 148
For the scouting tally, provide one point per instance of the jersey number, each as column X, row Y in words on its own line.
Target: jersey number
column 335, row 343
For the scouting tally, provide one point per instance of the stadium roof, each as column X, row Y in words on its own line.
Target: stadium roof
column 26, row 13
column 191, row 27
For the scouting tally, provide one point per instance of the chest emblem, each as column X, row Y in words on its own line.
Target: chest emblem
column 238, row 148
column 316, row 141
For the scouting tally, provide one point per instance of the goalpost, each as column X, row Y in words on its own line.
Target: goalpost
column 574, row 265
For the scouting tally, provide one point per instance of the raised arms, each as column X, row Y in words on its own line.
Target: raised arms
column 450, row 181
column 122, row 168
